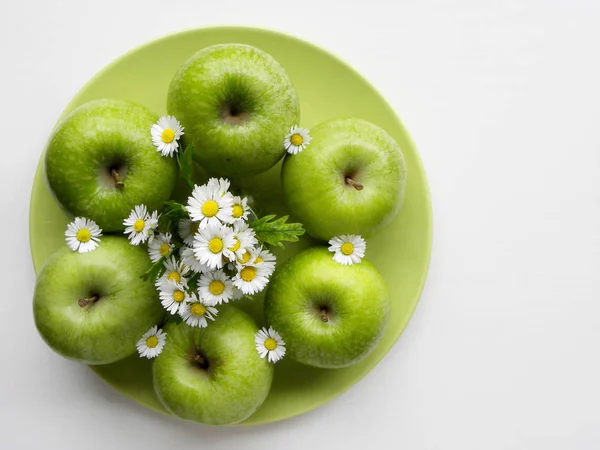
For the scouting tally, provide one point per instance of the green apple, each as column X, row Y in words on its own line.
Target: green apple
column 328, row 314
column 350, row 179
column 93, row 307
column 100, row 163
column 213, row 375
column 237, row 104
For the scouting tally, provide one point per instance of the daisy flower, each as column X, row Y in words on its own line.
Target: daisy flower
column 187, row 229
column 348, row 248
column 251, row 279
column 240, row 209
column 195, row 312
column 269, row 343
column 297, row 140
column 246, row 257
column 208, row 206
column 160, row 246
column 153, row 225
column 173, row 296
column 188, row 259
column 244, row 238
column 264, row 257
column 138, row 225
column 83, row 235
column 221, row 185
column 151, row 343
column 215, row 288
column 175, row 271
column 212, row 244
column 165, row 135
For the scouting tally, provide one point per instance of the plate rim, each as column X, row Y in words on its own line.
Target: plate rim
column 276, row 34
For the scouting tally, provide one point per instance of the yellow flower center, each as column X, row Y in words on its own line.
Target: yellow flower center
column 178, row 296
column 198, row 309
column 236, row 245
column 138, row 225
column 245, row 258
column 248, row 273
column 258, row 260
column 215, row 245
column 270, row 344
column 210, row 208
column 174, row 276
column 83, row 235
column 296, row 139
column 347, row 248
column 216, row 287
column 152, row 342
column 167, row 136
column 164, row 249
column 238, row 211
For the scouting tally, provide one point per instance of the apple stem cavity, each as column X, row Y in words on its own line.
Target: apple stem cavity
column 83, row 302
column 232, row 114
column 199, row 359
column 118, row 181
column 354, row 184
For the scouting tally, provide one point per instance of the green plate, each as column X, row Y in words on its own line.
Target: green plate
column 327, row 88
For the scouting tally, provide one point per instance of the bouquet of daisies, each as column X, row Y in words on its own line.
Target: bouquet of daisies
column 211, row 251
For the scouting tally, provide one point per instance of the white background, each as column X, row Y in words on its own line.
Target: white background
column 503, row 101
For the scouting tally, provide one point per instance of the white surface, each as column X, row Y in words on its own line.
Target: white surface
column 502, row 99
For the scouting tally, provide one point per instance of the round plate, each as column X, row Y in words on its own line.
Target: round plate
column 327, row 88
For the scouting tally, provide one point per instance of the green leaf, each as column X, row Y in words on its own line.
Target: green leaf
column 193, row 282
column 186, row 165
column 273, row 232
column 170, row 217
column 156, row 269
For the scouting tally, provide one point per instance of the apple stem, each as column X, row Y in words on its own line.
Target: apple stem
column 199, row 359
column 354, row 184
column 118, row 182
column 83, row 302
column 324, row 317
